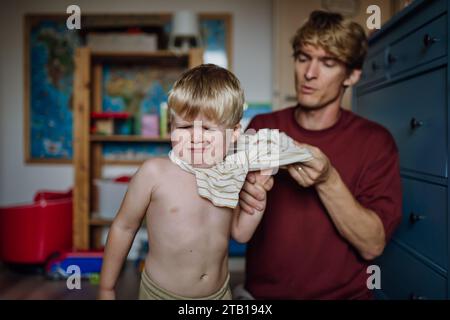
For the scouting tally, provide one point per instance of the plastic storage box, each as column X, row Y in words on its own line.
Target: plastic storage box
column 32, row 233
column 110, row 195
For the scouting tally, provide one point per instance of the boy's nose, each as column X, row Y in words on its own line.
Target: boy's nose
column 197, row 134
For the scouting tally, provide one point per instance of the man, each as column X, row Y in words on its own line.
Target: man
column 326, row 219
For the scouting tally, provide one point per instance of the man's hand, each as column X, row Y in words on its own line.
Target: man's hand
column 313, row 172
column 253, row 194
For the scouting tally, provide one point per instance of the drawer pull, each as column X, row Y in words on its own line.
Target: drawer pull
column 429, row 40
column 417, row 297
column 414, row 123
column 391, row 58
column 414, row 217
column 375, row 66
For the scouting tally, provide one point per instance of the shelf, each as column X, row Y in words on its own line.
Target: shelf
column 127, row 138
column 163, row 58
column 128, row 162
column 158, row 53
column 96, row 220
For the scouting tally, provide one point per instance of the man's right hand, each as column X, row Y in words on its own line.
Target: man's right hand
column 254, row 192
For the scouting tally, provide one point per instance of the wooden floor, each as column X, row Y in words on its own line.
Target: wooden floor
column 16, row 285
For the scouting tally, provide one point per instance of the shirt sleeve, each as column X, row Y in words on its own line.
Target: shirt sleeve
column 379, row 188
column 254, row 124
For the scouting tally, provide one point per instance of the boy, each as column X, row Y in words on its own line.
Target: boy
column 190, row 200
column 188, row 235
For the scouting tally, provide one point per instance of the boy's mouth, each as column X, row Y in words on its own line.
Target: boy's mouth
column 197, row 150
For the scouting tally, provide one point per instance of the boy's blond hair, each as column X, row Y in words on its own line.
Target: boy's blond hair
column 344, row 39
column 211, row 91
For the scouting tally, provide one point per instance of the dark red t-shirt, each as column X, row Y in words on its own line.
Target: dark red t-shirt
column 297, row 252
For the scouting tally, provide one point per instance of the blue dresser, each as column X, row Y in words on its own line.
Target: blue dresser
column 404, row 88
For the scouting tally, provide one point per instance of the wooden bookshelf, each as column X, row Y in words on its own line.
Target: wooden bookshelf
column 88, row 155
column 127, row 138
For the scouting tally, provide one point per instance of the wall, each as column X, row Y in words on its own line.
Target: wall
column 252, row 58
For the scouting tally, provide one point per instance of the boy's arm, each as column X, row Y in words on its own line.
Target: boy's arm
column 125, row 226
column 244, row 224
column 249, row 213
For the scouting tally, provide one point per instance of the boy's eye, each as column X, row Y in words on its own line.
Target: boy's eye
column 205, row 128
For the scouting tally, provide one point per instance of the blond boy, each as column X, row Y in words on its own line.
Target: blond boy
column 188, row 235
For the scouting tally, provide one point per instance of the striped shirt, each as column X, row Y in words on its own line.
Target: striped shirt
column 267, row 149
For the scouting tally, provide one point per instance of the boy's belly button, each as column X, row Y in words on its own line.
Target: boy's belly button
column 204, row 277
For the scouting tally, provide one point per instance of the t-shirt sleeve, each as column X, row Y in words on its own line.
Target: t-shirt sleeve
column 379, row 188
column 254, row 124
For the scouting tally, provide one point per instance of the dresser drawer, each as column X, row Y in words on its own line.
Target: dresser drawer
column 405, row 277
column 424, row 223
column 419, row 47
column 414, row 111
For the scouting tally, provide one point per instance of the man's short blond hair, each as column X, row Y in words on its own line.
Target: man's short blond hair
column 211, row 91
column 344, row 39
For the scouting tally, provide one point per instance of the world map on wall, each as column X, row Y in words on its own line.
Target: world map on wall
column 51, row 83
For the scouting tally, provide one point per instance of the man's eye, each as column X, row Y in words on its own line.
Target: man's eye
column 330, row 63
column 183, row 127
column 302, row 59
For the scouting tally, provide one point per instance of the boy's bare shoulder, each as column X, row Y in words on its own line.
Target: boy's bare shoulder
column 155, row 167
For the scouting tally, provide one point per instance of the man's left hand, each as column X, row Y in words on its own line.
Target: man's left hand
column 313, row 172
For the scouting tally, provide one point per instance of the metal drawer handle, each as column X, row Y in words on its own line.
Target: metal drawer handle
column 414, row 217
column 375, row 66
column 417, row 297
column 429, row 40
column 391, row 58
column 414, row 123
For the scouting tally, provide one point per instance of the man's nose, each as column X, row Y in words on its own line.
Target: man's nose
column 312, row 70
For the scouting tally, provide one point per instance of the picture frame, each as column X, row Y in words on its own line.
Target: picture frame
column 48, row 71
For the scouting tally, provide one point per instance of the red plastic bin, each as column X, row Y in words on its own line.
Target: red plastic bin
column 31, row 233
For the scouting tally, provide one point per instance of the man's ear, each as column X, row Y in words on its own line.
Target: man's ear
column 236, row 132
column 352, row 78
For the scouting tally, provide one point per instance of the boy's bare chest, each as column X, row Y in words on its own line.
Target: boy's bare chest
column 176, row 202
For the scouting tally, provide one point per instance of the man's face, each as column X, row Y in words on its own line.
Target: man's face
column 319, row 77
column 201, row 142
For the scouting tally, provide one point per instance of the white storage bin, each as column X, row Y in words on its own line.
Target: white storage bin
column 110, row 197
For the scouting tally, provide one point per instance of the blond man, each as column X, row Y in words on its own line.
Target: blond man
column 326, row 219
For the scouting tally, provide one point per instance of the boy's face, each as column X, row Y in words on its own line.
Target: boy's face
column 201, row 142
column 320, row 78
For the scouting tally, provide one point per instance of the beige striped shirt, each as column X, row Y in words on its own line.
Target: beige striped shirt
column 267, row 149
